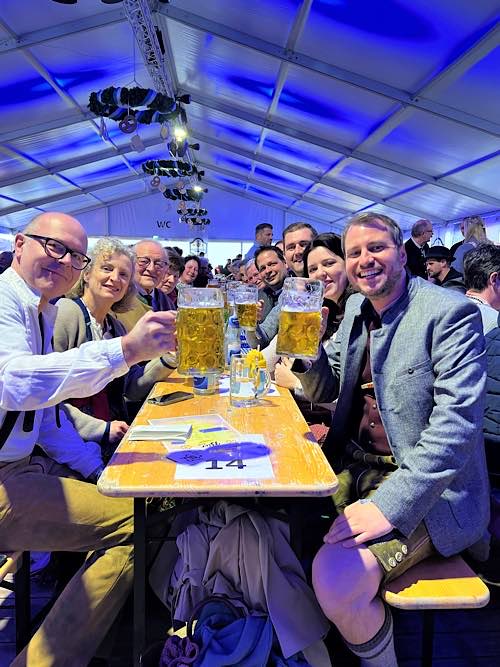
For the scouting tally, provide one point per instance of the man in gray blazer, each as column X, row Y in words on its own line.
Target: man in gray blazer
column 408, row 367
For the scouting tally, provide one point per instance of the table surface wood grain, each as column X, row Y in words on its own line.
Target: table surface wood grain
column 141, row 469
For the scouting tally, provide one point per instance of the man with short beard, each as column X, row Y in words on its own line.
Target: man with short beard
column 406, row 439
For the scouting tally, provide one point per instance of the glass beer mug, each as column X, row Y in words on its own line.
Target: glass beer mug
column 200, row 331
column 248, row 382
column 245, row 298
column 300, row 318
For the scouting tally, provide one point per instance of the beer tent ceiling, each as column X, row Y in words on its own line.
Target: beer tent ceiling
column 318, row 108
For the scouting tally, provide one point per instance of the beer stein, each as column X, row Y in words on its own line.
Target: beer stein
column 245, row 298
column 231, row 287
column 300, row 318
column 248, row 382
column 200, row 331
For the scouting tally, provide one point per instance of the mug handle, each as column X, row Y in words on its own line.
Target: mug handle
column 263, row 383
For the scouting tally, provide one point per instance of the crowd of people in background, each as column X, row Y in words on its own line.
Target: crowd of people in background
column 404, row 390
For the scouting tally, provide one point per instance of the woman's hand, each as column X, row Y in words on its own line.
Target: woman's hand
column 260, row 310
column 284, row 376
column 117, row 430
column 324, row 321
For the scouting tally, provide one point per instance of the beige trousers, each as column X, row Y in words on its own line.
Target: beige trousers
column 41, row 509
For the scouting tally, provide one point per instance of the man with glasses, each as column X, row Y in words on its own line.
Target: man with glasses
column 150, row 268
column 408, row 369
column 416, row 247
column 45, row 504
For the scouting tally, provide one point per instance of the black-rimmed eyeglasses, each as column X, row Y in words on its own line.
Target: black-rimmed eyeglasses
column 58, row 250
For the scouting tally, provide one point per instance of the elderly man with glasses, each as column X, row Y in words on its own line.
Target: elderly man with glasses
column 151, row 263
column 45, row 502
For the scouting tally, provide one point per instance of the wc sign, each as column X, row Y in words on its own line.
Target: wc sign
column 163, row 224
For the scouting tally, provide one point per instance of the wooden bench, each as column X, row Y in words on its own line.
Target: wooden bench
column 18, row 564
column 436, row 583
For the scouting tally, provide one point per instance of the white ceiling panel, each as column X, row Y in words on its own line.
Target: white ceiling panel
column 339, row 198
column 96, row 173
column 224, row 127
column 71, row 142
column 280, row 178
column 29, row 16
column 17, row 221
column 218, row 68
column 484, row 177
column 26, row 97
column 333, row 110
column 371, row 178
column 398, row 42
column 268, row 20
column 73, row 203
column 224, row 159
column 433, row 144
column 472, row 92
column 434, row 201
column 104, row 64
column 317, row 211
column 11, row 165
column 136, row 188
column 298, row 153
column 36, row 188
column 404, row 220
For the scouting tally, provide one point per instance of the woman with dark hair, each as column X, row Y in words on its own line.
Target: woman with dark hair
column 191, row 270
column 323, row 260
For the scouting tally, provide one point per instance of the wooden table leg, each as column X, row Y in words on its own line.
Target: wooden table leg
column 139, row 578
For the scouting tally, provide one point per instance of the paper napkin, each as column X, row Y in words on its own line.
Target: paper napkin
column 161, row 432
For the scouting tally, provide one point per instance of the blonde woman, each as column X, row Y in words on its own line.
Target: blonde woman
column 474, row 231
column 105, row 287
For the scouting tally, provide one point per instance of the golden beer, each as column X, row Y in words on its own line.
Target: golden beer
column 298, row 334
column 247, row 315
column 200, row 334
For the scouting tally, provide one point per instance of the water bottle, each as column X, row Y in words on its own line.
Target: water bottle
column 232, row 339
column 244, row 346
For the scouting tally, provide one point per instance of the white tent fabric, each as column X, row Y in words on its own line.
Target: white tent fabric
column 303, row 111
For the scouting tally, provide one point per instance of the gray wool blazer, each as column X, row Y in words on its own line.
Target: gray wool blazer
column 69, row 332
column 429, row 373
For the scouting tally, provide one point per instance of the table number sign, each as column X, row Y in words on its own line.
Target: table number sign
column 246, row 460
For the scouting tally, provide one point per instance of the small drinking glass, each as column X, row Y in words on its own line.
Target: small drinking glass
column 300, row 318
column 200, row 331
column 205, row 384
column 231, row 287
column 247, row 383
column 245, row 298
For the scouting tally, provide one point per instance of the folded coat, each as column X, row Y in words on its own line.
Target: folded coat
column 240, row 553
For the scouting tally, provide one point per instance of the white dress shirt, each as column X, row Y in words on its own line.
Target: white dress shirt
column 33, row 377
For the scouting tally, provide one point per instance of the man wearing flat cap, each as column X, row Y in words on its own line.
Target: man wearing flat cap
column 438, row 261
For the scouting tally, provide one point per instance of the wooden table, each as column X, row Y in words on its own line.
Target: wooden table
column 140, row 469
